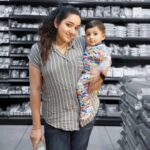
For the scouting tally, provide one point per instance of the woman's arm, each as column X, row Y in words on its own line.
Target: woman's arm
column 35, row 95
column 35, row 104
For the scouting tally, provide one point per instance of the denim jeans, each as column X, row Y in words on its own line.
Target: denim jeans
column 57, row 139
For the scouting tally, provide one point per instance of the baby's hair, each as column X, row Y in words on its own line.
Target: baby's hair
column 95, row 23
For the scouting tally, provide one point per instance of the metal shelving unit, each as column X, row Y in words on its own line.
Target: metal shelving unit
column 22, row 42
column 105, row 120
column 19, row 67
column 18, row 55
column 115, row 3
column 128, row 39
column 26, row 80
column 119, row 20
column 27, row 17
column 131, row 57
column 108, row 98
column 23, row 29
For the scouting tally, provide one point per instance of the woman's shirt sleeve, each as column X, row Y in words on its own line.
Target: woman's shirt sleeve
column 83, row 43
column 35, row 56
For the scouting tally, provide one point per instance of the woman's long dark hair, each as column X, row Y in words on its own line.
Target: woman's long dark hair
column 48, row 31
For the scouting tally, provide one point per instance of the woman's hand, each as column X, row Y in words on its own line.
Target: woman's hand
column 36, row 136
column 105, row 71
column 96, row 81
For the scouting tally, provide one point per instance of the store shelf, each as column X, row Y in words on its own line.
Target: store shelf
column 4, row 68
column 27, row 17
column 4, row 2
column 3, row 96
column 52, row 2
column 23, row 29
column 119, row 20
column 4, row 30
column 2, row 56
column 18, row 55
column 4, row 80
column 4, row 17
column 22, row 42
column 112, row 78
column 114, row 98
column 26, row 80
column 108, row 121
column 88, row 3
column 10, row 120
column 137, row 58
column 128, row 39
column 19, row 67
column 4, row 43
column 116, row 3
column 19, row 96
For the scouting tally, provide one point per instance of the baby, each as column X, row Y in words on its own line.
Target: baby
column 96, row 56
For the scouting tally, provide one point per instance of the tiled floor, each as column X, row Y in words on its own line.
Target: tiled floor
column 17, row 138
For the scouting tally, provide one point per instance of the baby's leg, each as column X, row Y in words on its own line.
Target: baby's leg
column 86, row 108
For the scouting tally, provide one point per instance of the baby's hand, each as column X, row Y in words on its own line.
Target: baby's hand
column 99, row 55
column 101, row 58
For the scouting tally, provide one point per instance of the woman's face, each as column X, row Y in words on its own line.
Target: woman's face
column 67, row 29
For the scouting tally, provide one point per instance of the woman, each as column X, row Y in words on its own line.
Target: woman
column 55, row 66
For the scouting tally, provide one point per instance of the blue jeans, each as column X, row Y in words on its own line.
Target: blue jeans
column 57, row 139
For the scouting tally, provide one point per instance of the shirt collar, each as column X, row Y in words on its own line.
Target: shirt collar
column 71, row 46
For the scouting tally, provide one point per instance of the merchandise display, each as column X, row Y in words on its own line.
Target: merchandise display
column 16, row 24
column 5, row 11
column 28, row 10
column 19, row 74
column 19, row 50
column 127, row 50
column 4, row 50
column 5, row 63
column 128, row 71
column 25, row 38
column 4, row 89
column 4, row 74
column 109, row 110
column 4, row 26
column 110, row 90
column 17, row 110
column 4, row 37
column 136, row 129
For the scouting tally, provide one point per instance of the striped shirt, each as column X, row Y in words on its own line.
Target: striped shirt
column 60, row 105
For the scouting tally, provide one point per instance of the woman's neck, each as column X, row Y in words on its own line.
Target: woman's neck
column 61, row 46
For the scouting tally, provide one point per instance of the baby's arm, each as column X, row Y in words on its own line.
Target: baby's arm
column 92, row 53
column 106, row 62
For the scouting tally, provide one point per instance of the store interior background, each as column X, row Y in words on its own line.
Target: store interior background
column 127, row 25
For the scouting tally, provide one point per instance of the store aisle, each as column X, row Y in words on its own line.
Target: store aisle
column 17, row 138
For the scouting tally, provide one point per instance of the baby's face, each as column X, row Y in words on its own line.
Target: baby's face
column 94, row 36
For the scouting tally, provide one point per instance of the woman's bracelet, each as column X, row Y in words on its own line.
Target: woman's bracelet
column 36, row 128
